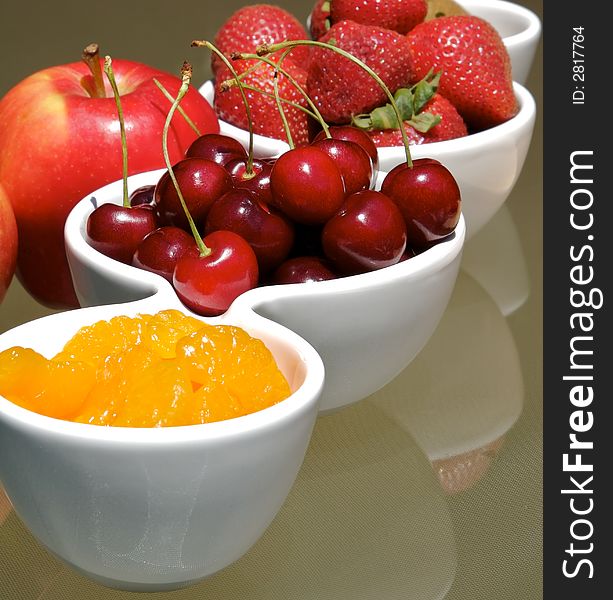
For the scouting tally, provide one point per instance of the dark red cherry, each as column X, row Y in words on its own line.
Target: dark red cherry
column 270, row 234
column 201, row 182
column 355, row 135
column 303, row 269
column 116, row 231
column 209, row 284
column 216, row 147
column 160, row 250
column 142, row 195
column 428, row 197
column 353, row 162
column 368, row 233
column 307, row 185
column 258, row 182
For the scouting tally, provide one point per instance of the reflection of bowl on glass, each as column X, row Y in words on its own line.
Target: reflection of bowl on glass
column 366, row 327
column 155, row 508
column 5, row 505
column 494, row 257
column 463, row 392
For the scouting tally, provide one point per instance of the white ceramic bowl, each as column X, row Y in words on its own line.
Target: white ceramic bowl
column 158, row 508
column 367, row 327
column 485, row 164
column 519, row 28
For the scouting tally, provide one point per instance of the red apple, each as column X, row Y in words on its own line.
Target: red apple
column 58, row 144
column 8, row 243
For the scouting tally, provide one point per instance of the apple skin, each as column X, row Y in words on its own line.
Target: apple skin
column 8, row 243
column 58, row 144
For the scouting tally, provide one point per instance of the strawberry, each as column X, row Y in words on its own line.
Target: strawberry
column 264, row 113
column 340, row 88
column 320, row 19
column 257, row 24
column 475, row 64
column 451, row 126
column 398, row 15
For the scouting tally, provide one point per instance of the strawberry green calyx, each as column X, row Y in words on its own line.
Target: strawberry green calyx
column 265, row 49
column 186, row 76
column 108, row 70
column 410, row 102
column 249, row 172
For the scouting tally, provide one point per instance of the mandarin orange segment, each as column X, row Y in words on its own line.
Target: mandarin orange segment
column 95, row 342
column 54, row 388
column 166, row 328
column 216, row 403
column 111, row 392
column 164, row 370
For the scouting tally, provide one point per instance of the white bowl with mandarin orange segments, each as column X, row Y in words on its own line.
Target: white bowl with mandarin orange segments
column 367, row 328
column 151, row 509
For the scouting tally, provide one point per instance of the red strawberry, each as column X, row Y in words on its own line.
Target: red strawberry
column 264, row 113
column 450, row 127
column 257, row 24
column 475, row 63
column 340, row 88
column 399, row 15
column 320, row 19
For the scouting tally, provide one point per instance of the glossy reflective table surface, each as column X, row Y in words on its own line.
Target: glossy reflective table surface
column 430, row 488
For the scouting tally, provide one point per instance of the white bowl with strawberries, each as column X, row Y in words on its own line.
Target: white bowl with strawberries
column 474, row 118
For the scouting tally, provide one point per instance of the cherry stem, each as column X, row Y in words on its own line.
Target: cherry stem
column 91, row 57
column 288, row 133
column 264, row 49
column 249, row 172
column 108, row 69
column 181, row 111
column 226, row 85
column 186, row 76
column 315, row 111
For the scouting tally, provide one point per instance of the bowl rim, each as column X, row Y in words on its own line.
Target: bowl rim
column 532, row 28
column 525, row 114
column 533, row 23
column 300, row 403
column 421, row 265
column 523, row 118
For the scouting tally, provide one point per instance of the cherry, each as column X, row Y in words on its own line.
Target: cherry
column 353, row 162
column 428, row 197
column 142, row 195
column 307, row 185
column 270, row 234
column 258, row 182
column 408, row 253
column 201, row 181
column 367, row 233
column 355, row 135
column 159, row 250
column 216, row 147
column 209, row 284
column 303, row 269
column 116, row 231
